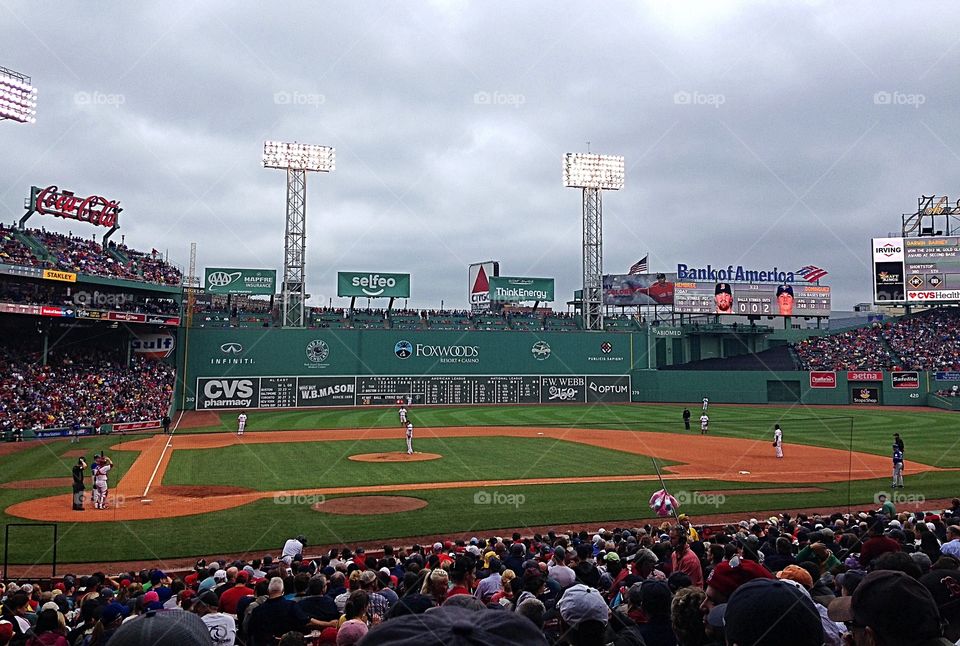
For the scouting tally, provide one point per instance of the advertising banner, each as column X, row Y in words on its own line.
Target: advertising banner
column 907, row 379
column 823, row 379
column 154, row 346
column 923, row 269
column 638, row 289
column 864, row 375
column 219, row 280
column 751, row 299
column 516, row 289
column 373, row 285
column 865, row 396
column 478, row 287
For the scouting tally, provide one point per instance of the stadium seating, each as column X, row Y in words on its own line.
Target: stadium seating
column 41, row 248
column 623, row 585
column 70, row 389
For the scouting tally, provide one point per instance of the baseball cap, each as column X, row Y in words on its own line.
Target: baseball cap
column 798, row 574
column 612, row 556
column 655, row 597
column 581, row 603
column 722, row 288
column 220, row 575
column 850, row 580
column 6, row 630
column 111, row 612
column 785, row 289
column 208, row 598
column 162, row 627
column 454, row 626
column 765, row 612
column 351, row 632
column 881, row 601
column 151, row 597
column 727, row 576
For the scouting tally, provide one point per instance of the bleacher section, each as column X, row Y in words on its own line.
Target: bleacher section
column 779, row 358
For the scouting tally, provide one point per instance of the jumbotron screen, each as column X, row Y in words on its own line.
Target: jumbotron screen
column 746, row 299
column 916, row 270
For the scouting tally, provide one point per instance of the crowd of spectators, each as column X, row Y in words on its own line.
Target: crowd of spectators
column 87, row 256
column 857, row 349
column 89, row 387
column 927, row 341
column 876, row 577
column 24, row 293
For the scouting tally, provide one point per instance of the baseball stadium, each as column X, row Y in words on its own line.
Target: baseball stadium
column 175, row 434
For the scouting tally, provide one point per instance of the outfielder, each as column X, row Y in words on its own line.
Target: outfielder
column 706, row 402
column 409, row 438
column 897, row 466
column 778, row 440
column 241, row 422
column 403, row 415
column 704, row 424
column 101, row 468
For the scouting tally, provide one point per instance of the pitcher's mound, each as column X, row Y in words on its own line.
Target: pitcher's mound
column 395, row 456
column 370, row 505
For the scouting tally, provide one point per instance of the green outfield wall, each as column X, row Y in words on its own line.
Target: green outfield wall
column 277, row 368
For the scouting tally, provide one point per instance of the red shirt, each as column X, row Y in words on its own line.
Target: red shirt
column 458, row 589
column 231, row 597
column 689, row 564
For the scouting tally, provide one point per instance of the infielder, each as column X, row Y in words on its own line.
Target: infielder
column 101, row 468
column 704, row 424
column 897, row 466
column 409, row 438
column 778, row 440
column 706, row 402
column 403, row 415
column 241, row 423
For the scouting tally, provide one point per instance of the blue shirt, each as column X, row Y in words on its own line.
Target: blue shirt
column 897, row 454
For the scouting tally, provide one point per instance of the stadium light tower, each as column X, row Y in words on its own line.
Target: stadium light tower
column 18, row 97
column 593, row 173
column 296, row 159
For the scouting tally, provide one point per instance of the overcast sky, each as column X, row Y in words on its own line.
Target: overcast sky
column 763, row 134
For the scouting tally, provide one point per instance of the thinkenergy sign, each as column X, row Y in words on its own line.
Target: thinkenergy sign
column 515, row 289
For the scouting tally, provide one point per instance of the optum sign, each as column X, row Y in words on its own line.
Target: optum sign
column 372, row 285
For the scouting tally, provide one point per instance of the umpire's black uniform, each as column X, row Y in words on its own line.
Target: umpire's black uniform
column 78, row 486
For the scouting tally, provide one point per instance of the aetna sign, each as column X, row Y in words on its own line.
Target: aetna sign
column 823, row 379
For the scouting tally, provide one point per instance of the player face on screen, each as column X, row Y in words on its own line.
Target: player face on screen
column 785, row 299
column 723, row 297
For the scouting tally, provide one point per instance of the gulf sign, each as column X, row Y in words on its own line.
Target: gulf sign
column 823, row 379
column 154, row 346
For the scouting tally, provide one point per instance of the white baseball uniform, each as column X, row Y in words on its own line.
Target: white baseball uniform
column 704, row 423
column 409, row 438
column 403, row 415
column 706, row 402
column 241, row 423
column 778, row 442
column 100, row 486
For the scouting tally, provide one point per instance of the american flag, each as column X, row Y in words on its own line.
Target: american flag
column 641, row 266
column 812, row 273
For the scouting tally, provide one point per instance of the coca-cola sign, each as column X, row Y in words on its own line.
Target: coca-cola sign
column 64, row 204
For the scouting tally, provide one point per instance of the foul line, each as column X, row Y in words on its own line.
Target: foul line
column 162, row 453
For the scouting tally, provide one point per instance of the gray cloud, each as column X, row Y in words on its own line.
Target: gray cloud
column 752, row 134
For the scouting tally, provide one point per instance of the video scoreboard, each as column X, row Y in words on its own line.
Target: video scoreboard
column 752, row 299
column 916, row 270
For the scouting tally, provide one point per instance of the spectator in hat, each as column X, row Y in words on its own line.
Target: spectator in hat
column 785, row 299
column 378, row 604
column 723, row 297
column 163, row 628
column 727, row 576
column 890, row 609
column 490, row 584
column 435, row 585
column 765, row 612
column 583, row 615
column 231, row 596
column 683, row 558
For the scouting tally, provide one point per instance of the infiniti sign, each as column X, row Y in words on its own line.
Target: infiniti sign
column 231, row 348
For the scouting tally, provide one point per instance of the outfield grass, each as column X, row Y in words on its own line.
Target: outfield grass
column 261, row 527
column 300, row 465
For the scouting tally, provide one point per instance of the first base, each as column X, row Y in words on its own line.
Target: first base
column 744, row 473
column 146, row 501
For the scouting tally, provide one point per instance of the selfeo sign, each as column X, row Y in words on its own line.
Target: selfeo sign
column 373, row 285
